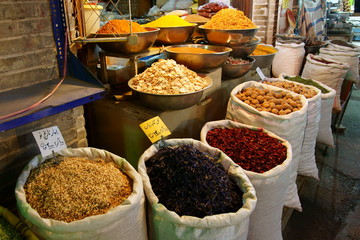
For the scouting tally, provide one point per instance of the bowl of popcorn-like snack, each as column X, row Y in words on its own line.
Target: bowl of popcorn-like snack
column 166, row 85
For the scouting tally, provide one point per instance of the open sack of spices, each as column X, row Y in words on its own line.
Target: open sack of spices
column 328, row 72
column 307, row 164
column 83, row 193
column 266, row 160
column 278, row 110
column 195, row 191
column 324, row 134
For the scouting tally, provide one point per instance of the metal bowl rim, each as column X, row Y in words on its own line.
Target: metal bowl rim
column 229, row 30
column 227, row 49
column 121, row 35
column 253, row 60
column 209, row 80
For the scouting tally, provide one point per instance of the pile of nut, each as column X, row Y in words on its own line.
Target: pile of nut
column 166, row 77
column 294, row 87
column 276, row 102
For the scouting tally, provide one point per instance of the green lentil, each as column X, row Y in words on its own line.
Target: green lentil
column 307, row 82
column 8, row 232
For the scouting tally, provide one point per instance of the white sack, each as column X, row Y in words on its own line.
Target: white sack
column 338, row 47
column 291, row 127
column 349, row 57
column 325, row 135
column 165, row 224
column 116, row 222
column 288, row 59
column 307, row 163
column 270, row 187
column 331, row 74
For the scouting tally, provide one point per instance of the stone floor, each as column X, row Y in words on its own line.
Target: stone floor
column 331, row 206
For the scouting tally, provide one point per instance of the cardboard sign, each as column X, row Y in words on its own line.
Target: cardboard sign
column 49, row 140
column 155, row 129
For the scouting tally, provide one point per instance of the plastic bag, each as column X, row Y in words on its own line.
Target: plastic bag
column 111, row 225
column 165, row 224
column 172, row 5
column 270, row 187
column 291, row 127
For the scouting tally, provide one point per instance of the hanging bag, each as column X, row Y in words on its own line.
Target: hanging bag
column 270, row 187
column 290, row 127
column 165, row 224
column 111, row 225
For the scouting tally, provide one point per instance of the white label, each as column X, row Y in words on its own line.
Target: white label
column 260, row 73
column 49, row 140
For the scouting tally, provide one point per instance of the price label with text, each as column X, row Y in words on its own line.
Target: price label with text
column 154, row 129
column 49, row 140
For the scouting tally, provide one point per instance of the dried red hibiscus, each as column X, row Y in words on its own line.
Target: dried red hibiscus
column 253, row 150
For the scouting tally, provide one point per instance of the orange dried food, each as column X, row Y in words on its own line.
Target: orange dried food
column 117, row 26
column 263, row 50
column 230, row 18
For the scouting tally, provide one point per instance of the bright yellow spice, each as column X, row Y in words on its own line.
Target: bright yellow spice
column 230, row 18
column 263, row 50
column 168, row 21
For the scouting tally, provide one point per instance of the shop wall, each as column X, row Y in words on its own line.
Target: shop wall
column 27, row 57
column 265, row 14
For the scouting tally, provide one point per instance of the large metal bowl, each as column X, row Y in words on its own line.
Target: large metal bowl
column 199, row 62
column 263, row 61
column 230, row 71
column 170, row 102
column 121, row 43
column 175, row 35
column 245, row 49
column 229, row 38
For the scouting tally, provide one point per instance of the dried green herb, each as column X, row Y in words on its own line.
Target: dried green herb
column 8, row 232
column 191, row 183
column 307, row 82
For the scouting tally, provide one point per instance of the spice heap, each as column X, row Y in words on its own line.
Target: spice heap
column 196, row 18
column 167, row 77
column 342, row 43
column 117, row 26
column 235, row 61
column 72, row 188
column 230, row 18
column 253, row 150
column 210, row 9
column 276, row 102
column 168, row 21
column 263, row 50
column 294, row 87
column 7, row 231
column 307, row 82
column 190, row 183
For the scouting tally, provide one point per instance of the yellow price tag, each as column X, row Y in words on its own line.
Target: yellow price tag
column 154, row 129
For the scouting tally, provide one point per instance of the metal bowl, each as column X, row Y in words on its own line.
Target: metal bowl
column 244, row 49
column 263, row 61
column 174, row 35
column 230, row 71
column 229, row 37
column 121, row 43
column 289, row 38
column 199, row 62
column 170, row 102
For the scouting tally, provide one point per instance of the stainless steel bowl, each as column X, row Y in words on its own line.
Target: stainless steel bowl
column 229, row 37
column 170, row 102
column 230, row 71
column 199, row 62
column 263, row 61
column 245, row 49
column 121, row 43
column 174, row 35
